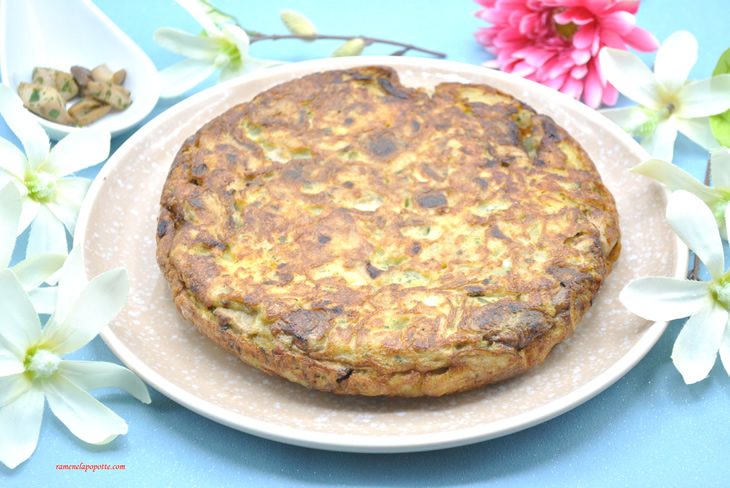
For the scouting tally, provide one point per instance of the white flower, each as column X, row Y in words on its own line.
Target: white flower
column 667, row 101
column 50, row 199
column 224, row 47
column 33, row 271
column 31, row 367
column 706, row 303
column 675, row 178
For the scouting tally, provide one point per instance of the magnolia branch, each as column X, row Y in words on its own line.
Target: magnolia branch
column 367, row 40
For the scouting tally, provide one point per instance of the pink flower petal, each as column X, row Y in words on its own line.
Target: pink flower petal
column 556, row 83
column 580, row 56
column 610, row 95
column 538, row 57
column 528, row 24
column 641, row 40
column 561, row 66
column 523, row 69
column 578, row 16
column 579, row 72
column 620, row 22
column 592, row 89
column 611, row 39
column 495, row 16
column 585, row 36
column 572, row 88
column 630, row 6
column 598, row 7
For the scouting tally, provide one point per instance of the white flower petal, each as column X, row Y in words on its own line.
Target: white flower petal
column 720, row 167
column 44, row 299
column 12, row 159
column 20, row 327
column 675, row 178
column 674, row 60
column 12, row 385
column 699, row 131
column 47, row 234
column 28, row 214
column 33, row 271
column 256, row 64
column 660, row 144
column 620, row 116
column 704, row 97
column 183, row 76
column 695, row 350
column 78, row 150
column 10, row 364
column 70, row 285
column 90, row 375
column 188, row 45
column 230, row 71
column 196, row 9
column 34, row 139
column 10, row 208
column 692, row 220
column 237, row 36
column 661, row 298
column 70, row 194
column 725, row 348
column 20, row 426
column 630, row 76
column 86, row 417
column 99, row 302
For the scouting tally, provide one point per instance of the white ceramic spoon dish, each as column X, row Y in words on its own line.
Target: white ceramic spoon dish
column 60, row 34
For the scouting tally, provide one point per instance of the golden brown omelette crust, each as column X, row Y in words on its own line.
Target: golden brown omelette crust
column 358, row 236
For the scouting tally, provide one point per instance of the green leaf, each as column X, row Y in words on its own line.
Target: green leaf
column 720, row 123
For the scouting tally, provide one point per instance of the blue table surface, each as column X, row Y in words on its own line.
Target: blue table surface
column 648, row 429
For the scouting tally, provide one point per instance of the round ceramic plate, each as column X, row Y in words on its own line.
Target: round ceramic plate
column 117, row 227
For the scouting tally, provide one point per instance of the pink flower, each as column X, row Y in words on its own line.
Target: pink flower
column 556, row 42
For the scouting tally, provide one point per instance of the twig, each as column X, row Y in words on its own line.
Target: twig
column 694, row 273
column 367, row 40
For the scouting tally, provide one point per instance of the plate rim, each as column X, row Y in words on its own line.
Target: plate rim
column 374, row 443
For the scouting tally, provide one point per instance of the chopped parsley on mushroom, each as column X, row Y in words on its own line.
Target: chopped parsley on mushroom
column 100, row 90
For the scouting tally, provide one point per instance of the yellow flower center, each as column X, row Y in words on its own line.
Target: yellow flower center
column 720, row 290
column 566, row 31
column 41, row 363
column 41, row 186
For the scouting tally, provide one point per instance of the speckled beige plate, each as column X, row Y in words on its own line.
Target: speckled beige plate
column 117, row 227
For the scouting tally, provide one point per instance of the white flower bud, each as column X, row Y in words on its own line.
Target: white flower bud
column 297, row 23
column 353, row 47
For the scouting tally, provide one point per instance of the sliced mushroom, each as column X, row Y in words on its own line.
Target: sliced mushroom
column 61, row 81
column 87, row 110
column 81, row 75
column 45, row 101
column 104, row 74
column 115, row 95
column 119, row 77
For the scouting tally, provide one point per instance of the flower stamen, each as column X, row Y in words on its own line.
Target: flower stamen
column 41, row 363
column 41, row 186
column 566, row 31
